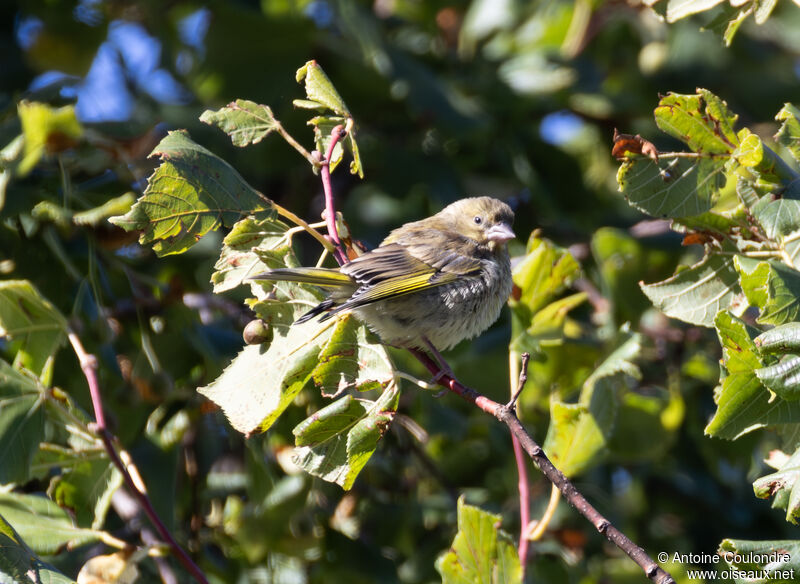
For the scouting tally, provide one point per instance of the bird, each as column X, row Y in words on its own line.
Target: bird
column 430, row 284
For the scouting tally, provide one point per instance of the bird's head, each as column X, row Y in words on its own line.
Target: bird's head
column 486, row 220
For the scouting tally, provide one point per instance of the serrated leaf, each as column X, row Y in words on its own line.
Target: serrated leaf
column 336, row 442
column 86, row 489
column 245, row 249
column 30, row 319
column 683, row 188
column 246, row 122
column 191, row 193
column 743, row 403
column 772, row 287
column 783, row 377
column 261, row 381
column 784, row 486
column 777, row 561
column 320, row 89
column 480, row 552
column 789, row 133
column 18, row 563
column 43, row 525
column 45, row 129
column 696, row 294
column 702, row 121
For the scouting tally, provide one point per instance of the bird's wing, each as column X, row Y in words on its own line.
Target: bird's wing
column 393, row 270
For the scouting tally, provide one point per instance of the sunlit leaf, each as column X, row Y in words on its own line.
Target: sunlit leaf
column 784, row 486
column 743, row 403
column 86, row 487
column 320, row 89
column 246, row 122
column 703, row 121
column 336, row 442
column 696, row 294
column 191, row 193
column 43, row 525
column 781, row 339
column 46, row 129
column 19, row 564
column 244, row 250
column 30, row 319
column 789, row 133
column 772, row 287
column 681, row 188
column 480, row 551
column 261, row 381
column 677, row 9
column 783, row 377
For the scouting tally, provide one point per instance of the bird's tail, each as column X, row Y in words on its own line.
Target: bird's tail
column 316, row 276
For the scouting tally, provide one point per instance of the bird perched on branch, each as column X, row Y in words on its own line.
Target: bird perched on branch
column 430, row 284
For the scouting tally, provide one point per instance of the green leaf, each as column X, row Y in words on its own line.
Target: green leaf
column 246, row 122
column 783, row 378
column 31, row 320
column 480, row 552
column 788, row 135
column 320, row 90
column 544, row 272
column 45, row 129
column 22, row 424
column 743, row 403
column 684, row 188
column 111, row 207
column 773, row 562
column 245, row 249
column 191, row 193
column 10, row 157
column 261, row 382
column 86, row 488
column 43, row 525
column 783, row 485
column 337, row 441
column 772, row 287
column 781, row 339
column 578, row 433
column 778, row 218
column 767, row 561
column 703, row 121
column 322, row 95
column 18, row 564
column 696, row 294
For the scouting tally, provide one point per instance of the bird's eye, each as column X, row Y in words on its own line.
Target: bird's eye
column 478, row 220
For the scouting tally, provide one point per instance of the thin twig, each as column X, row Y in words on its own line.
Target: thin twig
column 519, row 370
column 88, row 363
column 507, row 415
column 294, row 143
column 337, row 134
column 536, row 529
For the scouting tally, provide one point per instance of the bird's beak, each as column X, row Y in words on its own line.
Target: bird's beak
column 500, row 233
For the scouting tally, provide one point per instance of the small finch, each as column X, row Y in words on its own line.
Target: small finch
column 430, row 284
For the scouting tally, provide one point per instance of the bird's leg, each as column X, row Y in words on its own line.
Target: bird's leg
column 444, row 367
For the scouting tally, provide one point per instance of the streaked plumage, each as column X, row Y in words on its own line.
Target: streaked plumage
column 444, row 278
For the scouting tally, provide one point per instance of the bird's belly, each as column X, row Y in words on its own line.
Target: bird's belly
column 445, row 315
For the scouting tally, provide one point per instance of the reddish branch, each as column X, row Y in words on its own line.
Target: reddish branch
column 88, row 364
column 522, row 484
column 337, row 134
column 507, row 415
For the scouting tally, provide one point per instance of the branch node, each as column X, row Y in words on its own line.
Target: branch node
column 603, row 526
column 523, row 378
